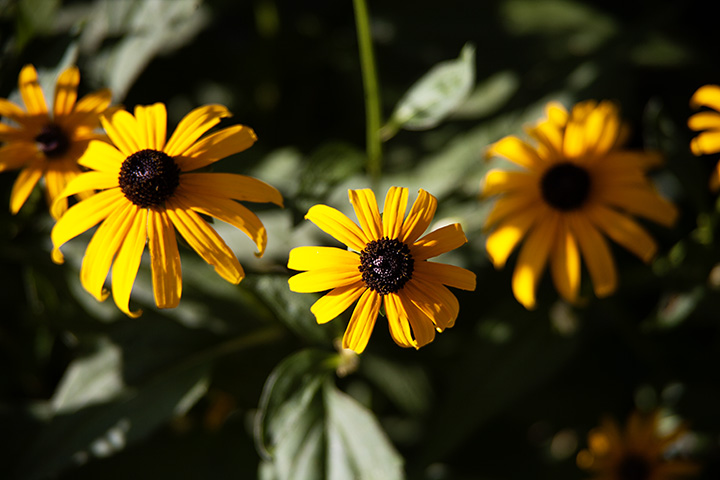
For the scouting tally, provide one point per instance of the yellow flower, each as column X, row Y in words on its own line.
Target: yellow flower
column 386, row 264
column 148, row 192
column 708, row 141
column 575, row 186
column 45, row 144
column 641, row 452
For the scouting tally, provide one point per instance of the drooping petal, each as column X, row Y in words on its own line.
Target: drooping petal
column 419, row 218
column 79, row 183
column 31, row 92
column 446, row 274
column 230, row 185
column 103, row 157
column 362, row 321
column 565, row 262
column 88, row 108
column 438, row 242
column 706, row 96
column 219, row 145
column 229, row 211
column 55, row 181
column 366, row 210
column 315, row 258
column 127, row 263
column 517, row 151
column 66, row 91
column 532, row 259
column 394, row 211
column 597, row 256
column 152, row 126
column 642, row 201
column 527, row 205
column 398, row 322
column 25, row 183
column 624, row 230
column 164, row 260
column 319, row 280
column 336, row 301
column 82, row 217
column 193, row 126
column 103, row 247
column 335, row 223
column 435, row 300
column 124, row 131
column 204, row 240
column 422, row 326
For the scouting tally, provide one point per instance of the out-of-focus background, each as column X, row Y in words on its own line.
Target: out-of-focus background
column 87, row 393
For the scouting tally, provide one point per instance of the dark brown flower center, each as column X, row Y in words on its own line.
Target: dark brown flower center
column 386, row 265
column 633, row 467
column 52, row 141
column 565, row 186
column 149, row 177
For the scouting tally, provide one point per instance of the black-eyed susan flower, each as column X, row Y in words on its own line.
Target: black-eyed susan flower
column 573, row 188
column 708, row 123
column 386, row 264
column 48, row 144
column 148, row 190
column 640, row 452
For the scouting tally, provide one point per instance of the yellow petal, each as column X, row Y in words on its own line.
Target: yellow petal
column 192, row 127
column 103, row 157
column 394, row 211
column 532, row 259
column 438, row 242
column 127, row 263
column 704, row 121
column 528, row 204
column 229, row 211
column 16, row 155
column 315, row 258
column 78, row 184
column 362, row 321
column 336, row 224
column 212, row 148
column 706, row 96
column 366, row 210
column 11, row 110
column 164, row 260
column 398, row 322
column 503, row 240
column 323, row 279
column 83, row 216
column 66, row 91
column 502, row 181
column 419, row 218
column 152, row 125
column 517, row 151
column 624, row 230
column 204, row 240
column 565, row 263
column 88, row 109
column 123, row 130
column 230, row 185
column 423, row 328
column 55, row 182
column 643, row 201
column 31, row 92
column 706, row 142
column 446, row 274
column 25, row 183
column 103, row 247
column 595, row 251
column 336, row 301
column 435, row 300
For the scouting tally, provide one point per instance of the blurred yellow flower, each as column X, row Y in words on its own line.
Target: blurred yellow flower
column 147, row 192
column 640, row 452
column 708, row 123
column 43, row 143
column 387, row 264
column 574, row 186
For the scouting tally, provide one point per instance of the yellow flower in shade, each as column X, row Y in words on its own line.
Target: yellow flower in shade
column 640, row 452
column 42, row 143
column 387, row 264
column 708, row 123
column 573, row 188
column 148, row 191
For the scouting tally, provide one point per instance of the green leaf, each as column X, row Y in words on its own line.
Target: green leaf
column 432, row 98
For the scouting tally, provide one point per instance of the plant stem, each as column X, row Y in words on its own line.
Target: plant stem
column 370, row 85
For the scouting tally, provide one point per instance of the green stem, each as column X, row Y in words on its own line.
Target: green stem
column 370, row 85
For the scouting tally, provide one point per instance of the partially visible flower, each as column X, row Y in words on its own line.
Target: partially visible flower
column 640, row 452
column 148, row 192
column 708, row 123
column 387, row 264
column 574, row 187
column 44, row 143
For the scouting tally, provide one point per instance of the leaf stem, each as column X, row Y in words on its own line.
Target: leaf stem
column 370, row 86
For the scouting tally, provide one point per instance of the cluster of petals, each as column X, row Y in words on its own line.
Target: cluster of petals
column 707, row 123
